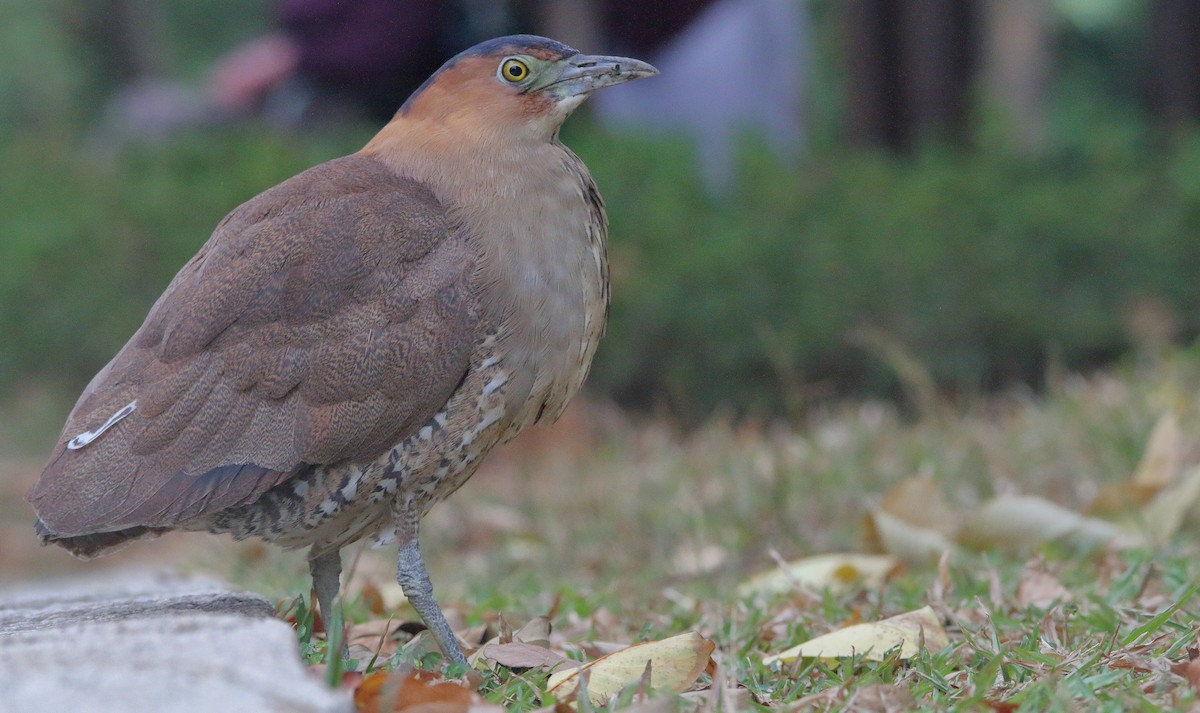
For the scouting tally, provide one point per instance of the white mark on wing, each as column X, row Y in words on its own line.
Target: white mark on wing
column 88, row 436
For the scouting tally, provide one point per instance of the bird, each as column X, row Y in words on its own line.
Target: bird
column 347, row 346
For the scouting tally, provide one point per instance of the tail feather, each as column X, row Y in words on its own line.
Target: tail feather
column 98, row 543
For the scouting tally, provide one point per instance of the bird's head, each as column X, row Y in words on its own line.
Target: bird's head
column 520, row 84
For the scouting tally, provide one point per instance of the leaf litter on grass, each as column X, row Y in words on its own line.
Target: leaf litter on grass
column 1038, row 618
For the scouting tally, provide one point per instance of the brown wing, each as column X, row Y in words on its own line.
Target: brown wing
column 323, row 321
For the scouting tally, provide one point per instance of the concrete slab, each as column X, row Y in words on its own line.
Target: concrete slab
column 143, row 641
column 120, row 595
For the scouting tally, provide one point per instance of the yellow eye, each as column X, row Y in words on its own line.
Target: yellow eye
column 514, row 70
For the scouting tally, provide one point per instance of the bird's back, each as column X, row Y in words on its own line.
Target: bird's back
column 323, row 322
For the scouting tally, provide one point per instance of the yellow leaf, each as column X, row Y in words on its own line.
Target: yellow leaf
column 831, row 571
column 1022, row 521
column 1164, row 515
column 1163, row 458
column 1161, row 465
column 912, row 543
column 1117, row 501
column 873, row 640
column 675, row 664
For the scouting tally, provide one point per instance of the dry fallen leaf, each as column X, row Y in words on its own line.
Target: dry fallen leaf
column 831, row 571
column 1163, row 458
column 373, row 598
column 881, row 698
column 885, row 532
column 412, row 692
column 675, row 664
column 536, row 631
column 918, row 501
column 913, row 522
column 873, row 640
column 1190, row 669
column 374, row 637
column 527, row 647
column 1022, row 521
column 521, row 655
column 1161, row 465
column 693, row 559
column 1165, row 513
column 1039, row 588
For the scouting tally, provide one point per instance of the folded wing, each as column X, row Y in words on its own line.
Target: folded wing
column 324, row 320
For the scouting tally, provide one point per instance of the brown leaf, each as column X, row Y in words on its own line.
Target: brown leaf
column 918, row 501
column 881, row 698
column 372, row 597
column 1040, row 589
column 1190, row 669
column 412, row 692
column 535, row 631
column 527, row 647
column 521, row 655
column 350, row 679
column 375, row 637
column 661, row 704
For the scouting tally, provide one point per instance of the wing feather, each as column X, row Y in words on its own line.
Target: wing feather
column 323, row 321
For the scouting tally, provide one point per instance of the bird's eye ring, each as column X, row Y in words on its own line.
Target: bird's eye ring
column 513, row 70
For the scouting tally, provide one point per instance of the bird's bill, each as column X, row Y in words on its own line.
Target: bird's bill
column 585, row 73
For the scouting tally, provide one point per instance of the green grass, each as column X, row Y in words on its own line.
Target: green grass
column 606, row 525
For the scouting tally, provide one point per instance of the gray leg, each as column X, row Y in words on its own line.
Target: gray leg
column 414, row 580
column 326, row 570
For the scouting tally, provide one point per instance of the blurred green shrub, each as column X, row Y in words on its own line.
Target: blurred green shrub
column 981, row 265
column 91, row 238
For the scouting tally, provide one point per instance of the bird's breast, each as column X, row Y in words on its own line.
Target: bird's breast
column 545, row 276
column 537, row 223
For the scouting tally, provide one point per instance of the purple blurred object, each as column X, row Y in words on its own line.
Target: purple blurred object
column 375, row 51
column 738, row 67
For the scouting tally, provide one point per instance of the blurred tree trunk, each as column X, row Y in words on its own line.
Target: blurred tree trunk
column 1017, row 62
column 910, row 65
column 1174, row 45
column 873, row 114
column 574, row 22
